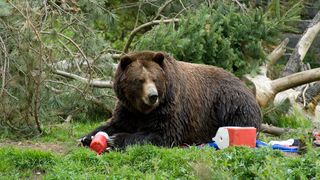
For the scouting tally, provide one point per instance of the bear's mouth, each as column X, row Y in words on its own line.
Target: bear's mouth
column 150, row 103
column 147, row 108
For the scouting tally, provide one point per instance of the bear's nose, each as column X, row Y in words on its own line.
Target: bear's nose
column 153, row 97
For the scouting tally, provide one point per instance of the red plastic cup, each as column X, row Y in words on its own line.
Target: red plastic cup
column 99, row 142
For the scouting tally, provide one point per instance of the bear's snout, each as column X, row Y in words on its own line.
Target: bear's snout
column 153, row 97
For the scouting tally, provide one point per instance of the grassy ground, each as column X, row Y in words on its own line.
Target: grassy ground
column 55, row 155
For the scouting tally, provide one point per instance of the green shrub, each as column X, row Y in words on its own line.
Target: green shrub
column 221, row 35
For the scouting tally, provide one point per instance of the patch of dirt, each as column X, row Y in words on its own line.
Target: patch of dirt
column 53, row 147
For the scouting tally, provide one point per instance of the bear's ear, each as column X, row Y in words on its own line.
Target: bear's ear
column 125, row 61
column 158, row 58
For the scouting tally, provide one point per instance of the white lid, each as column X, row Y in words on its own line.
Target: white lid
column 222, row 138
column 103, row 134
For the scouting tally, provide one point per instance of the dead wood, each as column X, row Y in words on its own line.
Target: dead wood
column 266, row 89
column 277, row 53
column 295, row 60
column 277, row 131
column 91, row 82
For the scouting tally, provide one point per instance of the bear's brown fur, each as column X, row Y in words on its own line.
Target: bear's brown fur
column 193, row 101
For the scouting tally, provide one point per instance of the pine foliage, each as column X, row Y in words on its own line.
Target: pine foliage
column 223, row 35
column 36, row 37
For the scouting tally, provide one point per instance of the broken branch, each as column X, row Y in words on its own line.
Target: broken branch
column 277, row 131
column 91, row 82
column 277, row 53
column 162, row 8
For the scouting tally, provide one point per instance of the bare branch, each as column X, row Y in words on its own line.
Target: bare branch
column 139, row 28
column 162, row 8
column 277, row 53
column 91, row 82
column 69, row 39
column 5, row 65
column 242, row 6
column 138, row 14
column 86, row 96
column 68, row 119
column 273, row 57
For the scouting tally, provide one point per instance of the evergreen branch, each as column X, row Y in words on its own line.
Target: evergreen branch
column 87, row 96
column 143, row 26
column 38, row 80
column 69, row 39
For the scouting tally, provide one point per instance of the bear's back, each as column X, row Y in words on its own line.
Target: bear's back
column 213, row 97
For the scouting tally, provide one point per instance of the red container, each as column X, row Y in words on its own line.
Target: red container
column 99, row 142
column 236, row 136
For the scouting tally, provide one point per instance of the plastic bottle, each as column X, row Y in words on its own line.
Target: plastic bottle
column 99, row 142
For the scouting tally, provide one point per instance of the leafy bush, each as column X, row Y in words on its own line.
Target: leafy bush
column 221, row 35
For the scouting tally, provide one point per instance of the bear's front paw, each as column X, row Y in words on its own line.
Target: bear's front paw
column 118, row 140
column 85, row 140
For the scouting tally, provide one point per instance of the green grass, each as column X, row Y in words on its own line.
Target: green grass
column 150, row 162
column 160, row 163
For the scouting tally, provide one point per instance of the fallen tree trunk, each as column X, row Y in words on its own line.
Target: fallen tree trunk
column 295, row 60
column 266, row 89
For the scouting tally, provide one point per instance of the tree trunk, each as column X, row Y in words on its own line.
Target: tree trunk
column 295, row 60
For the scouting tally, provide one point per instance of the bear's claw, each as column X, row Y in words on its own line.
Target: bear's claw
column 85, row 141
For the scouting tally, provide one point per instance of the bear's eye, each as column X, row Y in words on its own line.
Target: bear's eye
column 139, row 81
column 155, row 80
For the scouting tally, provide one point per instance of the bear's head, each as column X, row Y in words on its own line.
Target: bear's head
column 140, row 81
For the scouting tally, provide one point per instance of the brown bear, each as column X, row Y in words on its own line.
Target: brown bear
column 167, row 102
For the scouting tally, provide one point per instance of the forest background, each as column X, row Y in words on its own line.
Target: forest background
column 58, row 57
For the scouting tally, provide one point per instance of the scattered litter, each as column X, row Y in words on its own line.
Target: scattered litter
column 259, row 144
column 99, row 142
column 285, row 146
column 235, row 136
column 246, row 136
column 316, row 138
